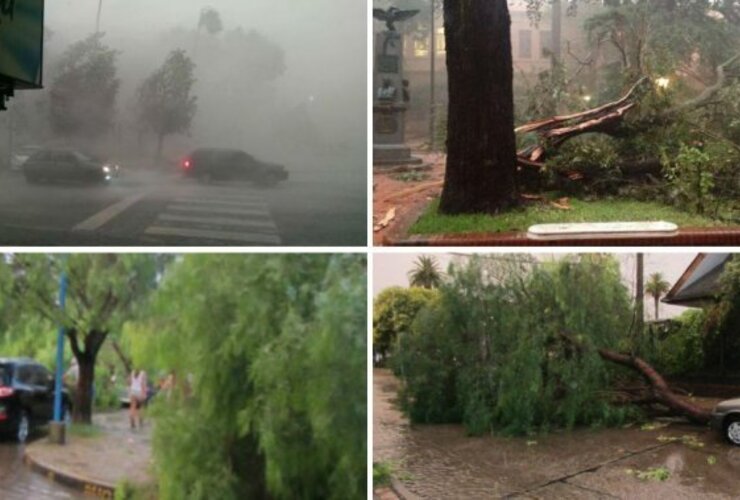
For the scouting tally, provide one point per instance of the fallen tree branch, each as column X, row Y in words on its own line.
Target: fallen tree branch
column 658, row 385
column 708, row 92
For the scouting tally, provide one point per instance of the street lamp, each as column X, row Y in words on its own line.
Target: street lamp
column 56, row 428
column 662, row 82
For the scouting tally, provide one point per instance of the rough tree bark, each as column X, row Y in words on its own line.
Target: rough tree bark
column 481, row 145
column 83, row 397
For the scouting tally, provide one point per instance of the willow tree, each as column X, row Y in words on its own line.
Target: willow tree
column 269, row 357
column 103, row 291
column 480, row 175
column 525, row 348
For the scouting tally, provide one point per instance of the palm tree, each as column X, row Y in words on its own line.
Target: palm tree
column 656, row 287
column 425, row 273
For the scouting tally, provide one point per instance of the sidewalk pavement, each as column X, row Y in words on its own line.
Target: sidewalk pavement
column 99, row 462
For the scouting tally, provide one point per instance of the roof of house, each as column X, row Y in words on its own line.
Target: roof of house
column 699, row 284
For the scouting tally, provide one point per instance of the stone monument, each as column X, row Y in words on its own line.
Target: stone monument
column 390, row 92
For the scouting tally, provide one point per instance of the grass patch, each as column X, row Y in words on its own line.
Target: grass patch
column 382, row 472
column 607, row 210
column 84, row 430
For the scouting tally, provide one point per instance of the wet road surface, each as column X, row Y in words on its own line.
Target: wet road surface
column 18, row 482
column 440, row 461
column 145, row 207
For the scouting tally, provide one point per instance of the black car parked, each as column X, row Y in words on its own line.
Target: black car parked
column 54, row 165
column 226, row 164
column 26, row 397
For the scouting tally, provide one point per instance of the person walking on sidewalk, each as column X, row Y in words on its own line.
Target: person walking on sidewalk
column 137, row 397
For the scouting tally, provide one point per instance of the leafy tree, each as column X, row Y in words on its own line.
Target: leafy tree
column 480, row 175
column 527, row 349
column 165, row 103
column 394, row 311
column 720, row 331
column 426, row 273
column 269, row 352
column 656, row 287
column 103, row 291
column 210, row 19
column 83, row 94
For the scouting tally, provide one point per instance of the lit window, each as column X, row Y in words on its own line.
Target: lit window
column 421, row 47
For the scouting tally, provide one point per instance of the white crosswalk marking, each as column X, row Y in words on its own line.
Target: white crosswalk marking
column 226, row 215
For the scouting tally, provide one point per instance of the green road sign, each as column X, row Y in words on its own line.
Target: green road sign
column 21, row 42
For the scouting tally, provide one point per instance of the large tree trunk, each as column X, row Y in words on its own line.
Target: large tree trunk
column 83, row 398
column 82, row 410
column 481, row 147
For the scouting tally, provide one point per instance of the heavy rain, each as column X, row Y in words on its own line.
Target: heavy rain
column 216, row 122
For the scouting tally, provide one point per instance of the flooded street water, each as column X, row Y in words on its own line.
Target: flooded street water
column 18, row 482
column 440, row 461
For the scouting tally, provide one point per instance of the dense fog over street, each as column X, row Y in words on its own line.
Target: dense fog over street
column 272, row 93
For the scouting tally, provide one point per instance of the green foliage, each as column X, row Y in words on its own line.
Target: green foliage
column 269, row 357
column 165, row 103
column 691, row 175
column 104, row 291
column 681, row 351
column 393, row 313
column 596, row 155
column 493, row 353
column 382, row 473
column 83, row 93
column 426, row 273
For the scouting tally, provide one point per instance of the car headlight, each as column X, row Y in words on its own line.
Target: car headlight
column 106, row 169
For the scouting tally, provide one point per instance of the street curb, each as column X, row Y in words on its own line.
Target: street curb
column 99, row 489
column 685, row 237
column 401, row 491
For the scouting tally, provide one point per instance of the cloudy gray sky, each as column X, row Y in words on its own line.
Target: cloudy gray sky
column 392, row 269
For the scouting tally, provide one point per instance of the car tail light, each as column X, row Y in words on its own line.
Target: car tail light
column 6, row 392
column 186, row 163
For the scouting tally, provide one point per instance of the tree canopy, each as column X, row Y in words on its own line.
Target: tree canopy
column 103, row 292
column 83, row 93
column 269, row 352
column 166, row 105
column 394, row 311
column 492, row 355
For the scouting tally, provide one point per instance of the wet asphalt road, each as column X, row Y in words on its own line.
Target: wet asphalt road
column 314, row 207
column 441, row 461
column 18, row 482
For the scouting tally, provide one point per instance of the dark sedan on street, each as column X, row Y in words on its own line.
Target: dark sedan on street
column 62, row 165
column 726, row 419
column 26, row 397
column 208, row 164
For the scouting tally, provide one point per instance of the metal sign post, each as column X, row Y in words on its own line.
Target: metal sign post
column 57, row 429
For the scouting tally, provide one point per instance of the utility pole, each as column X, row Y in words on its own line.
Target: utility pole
column 97, row 21
column 639, row 296
column 432, row 70
column 56, row 427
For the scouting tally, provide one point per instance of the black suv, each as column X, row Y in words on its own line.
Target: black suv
column 226, row 164
column 26, row 397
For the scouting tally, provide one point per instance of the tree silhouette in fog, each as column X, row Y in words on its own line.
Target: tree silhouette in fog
column 166, row 105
